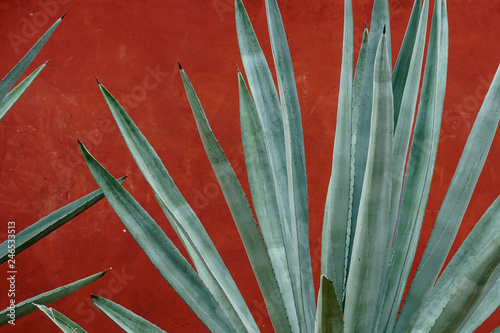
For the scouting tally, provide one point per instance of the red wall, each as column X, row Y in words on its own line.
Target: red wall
column 122, row 43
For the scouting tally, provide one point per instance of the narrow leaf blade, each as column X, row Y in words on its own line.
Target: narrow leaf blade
column 126, row 319
column 26, row 307
column 159, row 249
column 64, row 323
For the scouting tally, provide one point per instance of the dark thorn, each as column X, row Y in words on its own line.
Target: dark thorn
column 180, row 67
column 63, row 15
column 238, row 69
column 366, row 25
column 384, row 30
column 92, row 296
column 79, row 142
column 47, row 62
column 98, row 82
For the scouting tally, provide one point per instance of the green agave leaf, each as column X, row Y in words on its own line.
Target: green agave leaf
column 264, row 198
column 372, row 240
column 126, row 319
column 296, row 167
column 26, row 307
column 329, row 317
column 356, row 99
column 420, row 168
column 160, row 249
column 363, row 110
column 489, row 303
column 404, row 126
column 241, row 212
column 51, row 222
column 13, row 96
column 8, row 81
column 467, row 279
column 402, row 66
column 64, row 323
column 455, row 202
column 160, row 181
column 336, row 221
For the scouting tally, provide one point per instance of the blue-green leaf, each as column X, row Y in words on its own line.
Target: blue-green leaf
column 26, row 307
column 10, row 79
column 126, row 319
column 329, row 317
column 296, row 168
column 336, row 221
column 51, row 222
column 13, row 96
column 160, row 249
column 372, row 241
column 64, row 323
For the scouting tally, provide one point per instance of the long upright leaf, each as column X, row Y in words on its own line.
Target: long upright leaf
column 241, row 212
column 419, row 170
column 356, row 99
column 380, row 19
column 64, row 323
column 264, row 198
column 336, row 220
column 10, row 79
column 372, row 240
column 467, row 279
column 455, row 202
column 160, row 249
column 296, row 167
column 400, row 73
column 51, row 222
column 160, row 181
column 126, row 319
column 26, row 307
column 13, row 96
column 404, row 126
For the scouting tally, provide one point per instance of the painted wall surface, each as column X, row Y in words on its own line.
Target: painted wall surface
column 133, row 48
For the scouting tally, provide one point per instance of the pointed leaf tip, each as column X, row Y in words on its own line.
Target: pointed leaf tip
column 98, row 82
column 92, row 296
column 63, row 15
column 366, row 25
column 180, row 67
column 384, row 30
column 47, row 62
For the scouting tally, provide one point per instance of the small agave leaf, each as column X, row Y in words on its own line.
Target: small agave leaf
column 264, row 198
column 160, row 249
column 13, row 96
column 336, row 220
column 404, row 127
column 329, row 317
column 420, row 168
column 456, row 200
column 296, row 167
column 483, row 311
column 363, row 110
column 400, row 73
column 64, row 323
column 26, row 307
column 10, row 79
column 371, row 246
column 241, row 212
column 126, row 319
column 51, row 222
column 467, row 279
column 162, row 184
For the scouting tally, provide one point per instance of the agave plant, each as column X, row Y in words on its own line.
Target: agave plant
column 383, row 160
